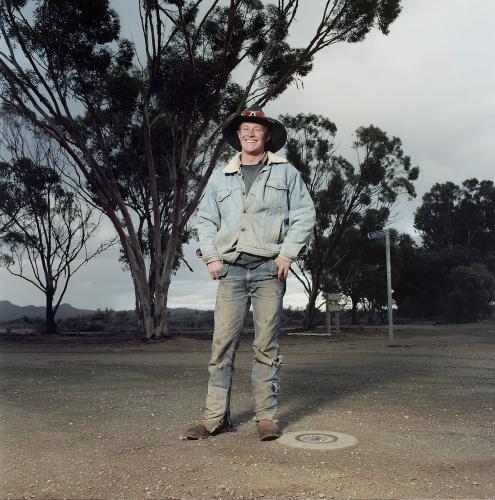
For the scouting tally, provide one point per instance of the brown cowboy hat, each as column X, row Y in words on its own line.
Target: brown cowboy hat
column 278, row 134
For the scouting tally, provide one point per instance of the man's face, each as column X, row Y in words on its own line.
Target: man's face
column 253, row 137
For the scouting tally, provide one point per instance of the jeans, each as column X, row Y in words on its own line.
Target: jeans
column 238, row 288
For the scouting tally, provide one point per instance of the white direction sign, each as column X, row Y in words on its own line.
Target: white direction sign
column 376, row 235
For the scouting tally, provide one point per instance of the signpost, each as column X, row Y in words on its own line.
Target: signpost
column 376, row 235
column 333, row 306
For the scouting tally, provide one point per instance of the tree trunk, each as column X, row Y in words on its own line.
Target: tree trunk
column 142, row 292
column 162, row 289
column 151, row 301
column 150, row 293
column 354, row 320
column 310, row 312
column 137, row 307
column 371, row 315
column 382, row 312
column 166, row 280
column 160, row 328
column 50, row 325
column 145, row 306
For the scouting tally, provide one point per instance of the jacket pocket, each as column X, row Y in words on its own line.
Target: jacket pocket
column 222, row 194
column 224, row 201
column 276, row 192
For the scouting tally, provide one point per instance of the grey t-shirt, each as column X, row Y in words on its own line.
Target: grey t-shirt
column 249, row 174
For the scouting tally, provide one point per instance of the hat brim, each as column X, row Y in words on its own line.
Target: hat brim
column 278, row 134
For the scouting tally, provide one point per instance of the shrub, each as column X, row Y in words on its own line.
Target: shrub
column 472, row 291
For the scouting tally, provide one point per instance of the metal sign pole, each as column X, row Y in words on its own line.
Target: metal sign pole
column 327, row 311
column 376, row 235
column 389, row 289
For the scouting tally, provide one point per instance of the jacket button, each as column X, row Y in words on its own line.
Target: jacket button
column 244, row 193
column 243, row 228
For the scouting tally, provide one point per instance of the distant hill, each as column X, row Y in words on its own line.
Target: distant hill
column 178, row 311
column 9, row 311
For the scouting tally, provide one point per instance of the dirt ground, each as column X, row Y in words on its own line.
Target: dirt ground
column 86, row 419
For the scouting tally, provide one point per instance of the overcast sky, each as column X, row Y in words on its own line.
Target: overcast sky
column 431, row 82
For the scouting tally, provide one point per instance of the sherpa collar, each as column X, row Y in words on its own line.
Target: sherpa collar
column 234, row 164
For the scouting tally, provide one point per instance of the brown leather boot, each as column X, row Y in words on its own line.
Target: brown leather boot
column 201, row 432
column 268, row 430
column 197, row 432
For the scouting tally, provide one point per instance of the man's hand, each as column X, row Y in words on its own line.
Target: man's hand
column 214, row 267
column 283, row 267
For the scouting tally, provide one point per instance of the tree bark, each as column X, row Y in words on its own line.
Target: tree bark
column 160, row 328
column 141, row 288
column 371, row 316
column 165, row 277
column 50, row 324
column 310, row 312
column 137, row 308
column 354, row 320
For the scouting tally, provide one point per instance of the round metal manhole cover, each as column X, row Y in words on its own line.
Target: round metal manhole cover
column 317, row 440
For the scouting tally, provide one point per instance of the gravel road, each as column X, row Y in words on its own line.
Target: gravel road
column 93, row 418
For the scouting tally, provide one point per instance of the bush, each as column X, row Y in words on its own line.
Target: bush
column 472, row 292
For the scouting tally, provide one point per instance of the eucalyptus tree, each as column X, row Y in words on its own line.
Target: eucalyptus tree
column 65, row 66
column 457, row 228
column 453, row 215
column 360, row 274
column 343, row 192
column 51, row 231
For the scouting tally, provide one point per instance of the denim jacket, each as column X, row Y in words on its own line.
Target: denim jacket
column 275, row 218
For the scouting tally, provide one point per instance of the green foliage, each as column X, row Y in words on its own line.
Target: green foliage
column 458, row 215
column 349, row 199
column 362, row 14
column 310, row 146
column 39, row 198
column 361, row 274
column 9, row 201
column 471, row 293
column 76, row 40
column 425, row 279
column 450, row 274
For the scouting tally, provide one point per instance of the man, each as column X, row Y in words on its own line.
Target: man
column 255, row 217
